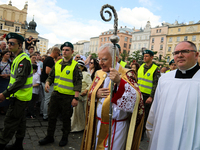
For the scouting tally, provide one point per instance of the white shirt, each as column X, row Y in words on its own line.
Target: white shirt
column 36, row 79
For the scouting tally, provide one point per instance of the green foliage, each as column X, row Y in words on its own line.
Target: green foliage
column 137, row 56
column 94, row 55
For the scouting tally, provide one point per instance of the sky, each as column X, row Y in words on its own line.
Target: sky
column 63, row 20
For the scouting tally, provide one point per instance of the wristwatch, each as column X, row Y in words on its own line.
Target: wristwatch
column 76, row 98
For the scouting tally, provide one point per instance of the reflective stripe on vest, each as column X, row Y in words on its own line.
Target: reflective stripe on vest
column 25, row 92
column 63, row 81
column 145, row 81
column 123, row 64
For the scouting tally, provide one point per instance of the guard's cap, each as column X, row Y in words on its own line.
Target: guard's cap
column 151, row 53
column 67, row 44
column 12, row 35
column 171, row 62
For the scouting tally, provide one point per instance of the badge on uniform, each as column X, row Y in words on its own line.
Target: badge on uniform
column 148, row 74
column 20, row 68
column 67, row 72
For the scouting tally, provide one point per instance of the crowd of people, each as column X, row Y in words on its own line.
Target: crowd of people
column 158, row 101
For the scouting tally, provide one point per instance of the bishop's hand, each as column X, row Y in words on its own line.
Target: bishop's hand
column 114, row 76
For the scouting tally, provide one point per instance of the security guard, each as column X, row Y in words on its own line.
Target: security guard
column 148, row 75
column 67, row 78
column 172, row 65
column 121, row 62
column 19, row 92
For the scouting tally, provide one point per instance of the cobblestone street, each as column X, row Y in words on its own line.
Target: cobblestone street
column 37, row 129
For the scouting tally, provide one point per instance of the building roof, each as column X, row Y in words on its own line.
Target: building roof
column 121, row 30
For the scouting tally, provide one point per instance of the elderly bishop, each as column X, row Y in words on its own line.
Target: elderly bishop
column 128, row 109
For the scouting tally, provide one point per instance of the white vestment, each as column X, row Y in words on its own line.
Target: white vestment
column 174, row 119
column 121, row 132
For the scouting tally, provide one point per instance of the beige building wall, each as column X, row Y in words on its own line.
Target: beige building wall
column 190, row 32
column 42, row 45
column 158, row 40
column 94, row 44
column 12, row 19
column 79, row 46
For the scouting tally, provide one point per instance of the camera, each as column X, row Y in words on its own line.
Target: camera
column 35, row 41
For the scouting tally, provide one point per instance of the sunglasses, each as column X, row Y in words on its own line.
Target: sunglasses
column 91, row 63
column 11, row 43
column 78, row 57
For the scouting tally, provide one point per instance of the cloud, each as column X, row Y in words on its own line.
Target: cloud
column 138, row 17
column 58, row 24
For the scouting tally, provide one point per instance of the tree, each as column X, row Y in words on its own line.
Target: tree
column 94, row 55
column 137, row 56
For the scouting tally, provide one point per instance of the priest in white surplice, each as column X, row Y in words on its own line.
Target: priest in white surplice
column 128, row 108
column 174, row 119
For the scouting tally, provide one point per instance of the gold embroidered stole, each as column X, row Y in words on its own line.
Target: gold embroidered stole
column 88, row 136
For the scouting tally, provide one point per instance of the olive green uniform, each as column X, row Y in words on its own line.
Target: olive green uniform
column 61, row 103
column 15, row 120
column 147, row 107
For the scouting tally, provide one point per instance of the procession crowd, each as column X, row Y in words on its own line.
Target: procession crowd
column 149, row 99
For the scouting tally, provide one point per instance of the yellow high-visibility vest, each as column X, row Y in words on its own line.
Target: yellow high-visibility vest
column 63, row 82
column 24, row 93
column 123, row 64
column 145, row 81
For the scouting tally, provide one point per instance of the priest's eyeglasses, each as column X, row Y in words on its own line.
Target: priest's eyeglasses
column 185, row 51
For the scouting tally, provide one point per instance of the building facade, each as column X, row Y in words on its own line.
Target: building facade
column 140, row 38
column 182, row 32
column 94, row 45
column 42, row 45
column 79, row 47
column 158, row 40
column 125, row 38
column 12, row 19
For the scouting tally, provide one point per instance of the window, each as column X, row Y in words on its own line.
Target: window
column 125, row 45
column 170, row 39
column 185, row 38
column 194, row 38
column 178, row 39
column 151, row 47
column 101, row 39
column 16, row 29
column 129, row 46
column 160, row 57
column 135, row 46
column 160, row 30
column 156, row 31
column 179, row 29
column 124, row 51
column 109, row 39
column 1, row 26
column 152, row 40
column 130, row 40
column 168, row 58
column 169, row 49
column 161, row 47
column 106, row 39
column 162, row 39
column 139, row 46
column 126, row 39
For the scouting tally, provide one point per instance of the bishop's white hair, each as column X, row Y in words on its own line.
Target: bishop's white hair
column 110, row 49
